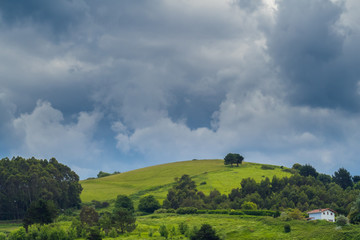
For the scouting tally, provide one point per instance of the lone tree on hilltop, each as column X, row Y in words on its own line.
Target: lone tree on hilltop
column 232, row 158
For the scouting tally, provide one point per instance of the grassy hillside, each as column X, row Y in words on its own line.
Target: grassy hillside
column 158, row 179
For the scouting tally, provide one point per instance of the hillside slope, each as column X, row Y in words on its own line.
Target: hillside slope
column 158, row 179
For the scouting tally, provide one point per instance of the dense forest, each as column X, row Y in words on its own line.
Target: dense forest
column 24, row 181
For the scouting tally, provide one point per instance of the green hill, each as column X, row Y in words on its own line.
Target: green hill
column 208, row 175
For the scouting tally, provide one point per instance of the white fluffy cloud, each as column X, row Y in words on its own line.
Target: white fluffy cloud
column 44, row 134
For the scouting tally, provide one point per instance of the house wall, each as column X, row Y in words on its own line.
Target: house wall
column 315, row 216
column 328, row 215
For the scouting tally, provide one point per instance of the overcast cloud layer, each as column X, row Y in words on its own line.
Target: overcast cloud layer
column 118, row 85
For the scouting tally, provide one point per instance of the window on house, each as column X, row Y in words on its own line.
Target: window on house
column 330, row 213
column 324, row 213
column 327, row 213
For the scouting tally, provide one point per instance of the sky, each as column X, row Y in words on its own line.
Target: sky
column 118, row 85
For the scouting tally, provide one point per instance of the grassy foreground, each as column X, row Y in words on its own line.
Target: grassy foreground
column 208, row 175
column 232, row 227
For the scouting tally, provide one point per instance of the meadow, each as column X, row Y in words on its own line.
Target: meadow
column 156, row 180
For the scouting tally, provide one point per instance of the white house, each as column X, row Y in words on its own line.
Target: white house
column 322, row 214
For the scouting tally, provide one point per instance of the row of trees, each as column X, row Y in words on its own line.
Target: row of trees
column 297, row 191
column 24, row 181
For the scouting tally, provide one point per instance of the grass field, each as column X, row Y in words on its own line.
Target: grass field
column 158, row 179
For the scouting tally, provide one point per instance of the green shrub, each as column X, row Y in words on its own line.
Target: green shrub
column 148, row 204
column 287, row 228
column 236, row 212
column 113, row 233
column 19, row 234
column 202, row 211
column 183, row 227
column 218, row 211
column 164, row 210
column 186, row 210
column 267, row 167
column 249, row 206
column 342, row 220
column 163, row 231
column 2, row 236
column 206, row 232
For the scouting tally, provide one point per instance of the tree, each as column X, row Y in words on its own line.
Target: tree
column 103, row 174
column 124, row 220
column 206, row 232
column 343, row 178
column 182, row 193
column 88, row 216
column 356, row 178
column 149, row 204
column 23, row 181
column 123, row 201
column 308, row 170
column 41, row 211
column 232, row 158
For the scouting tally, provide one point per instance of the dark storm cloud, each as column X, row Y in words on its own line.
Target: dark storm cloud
column 308, row 46
column 58, row 16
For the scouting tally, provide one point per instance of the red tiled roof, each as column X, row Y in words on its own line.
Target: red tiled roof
column 321, row 210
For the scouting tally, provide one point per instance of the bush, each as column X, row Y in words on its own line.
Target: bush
column 149, row 204
column 163, row 231
column 287, row 228
column 249, row 206
column 218, row 211
column 186, row 210
column 267, row 167
column 206, row 232
column 164, row 210
column 203, row 183
column 236, row 212
column 183, row 227
column 342, row 220
column 202, row 211
column 2, row 236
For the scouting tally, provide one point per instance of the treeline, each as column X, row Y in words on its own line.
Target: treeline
column 305, row 190
column 24, row 181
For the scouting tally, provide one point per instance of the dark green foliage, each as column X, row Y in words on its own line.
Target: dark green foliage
column 343, row 178
column 182, row 194
column 324, row 178
column 124, row 220
column 98, row 204
column 233, row 158
column 342, row 220
column 163, row 231
column 94, row 234
column 267, row 167
column 149, row 204
column 103, row 174
column 308, row 170
column 41, row 211
column 186, row 210
column 356, row 179
column 89, row 216
column 23, row 181
column 354, row 215
column 287, row 228
column 206, row 232
column 296, row 166
column 183, row 227
column 123, row 201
